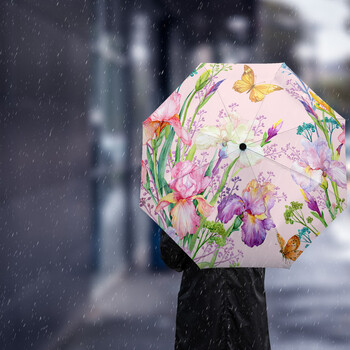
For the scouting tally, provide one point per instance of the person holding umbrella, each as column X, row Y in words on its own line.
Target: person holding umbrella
column 242, row 170
column 222, row 308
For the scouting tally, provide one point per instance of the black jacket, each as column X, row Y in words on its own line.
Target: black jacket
column 220, row 308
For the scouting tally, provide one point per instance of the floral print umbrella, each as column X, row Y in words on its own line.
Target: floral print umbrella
column 243, row 165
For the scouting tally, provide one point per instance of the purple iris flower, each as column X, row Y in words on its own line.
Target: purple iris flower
column 254, row 207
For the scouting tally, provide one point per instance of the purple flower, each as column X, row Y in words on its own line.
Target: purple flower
column 254, row 207
column 315, row 162
column 311, row 202
column 222, row 155
column 309, row 109
column 274, row 130
column 229, row 206
column 213, row 89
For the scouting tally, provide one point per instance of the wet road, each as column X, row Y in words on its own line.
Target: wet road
column 308, row 305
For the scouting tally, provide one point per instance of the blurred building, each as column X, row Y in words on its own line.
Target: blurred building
column 45, row 153
column 78, row 79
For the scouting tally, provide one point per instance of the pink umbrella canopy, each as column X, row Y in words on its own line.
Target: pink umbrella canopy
column 243, row 165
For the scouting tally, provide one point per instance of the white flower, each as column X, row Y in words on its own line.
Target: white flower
column 252, row 155
column 232, row 134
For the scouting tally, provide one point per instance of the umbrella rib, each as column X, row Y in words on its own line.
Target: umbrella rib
column 256, row 179
column 279, row 133
column 290, row 169
column 217, row 91
column 260, row 107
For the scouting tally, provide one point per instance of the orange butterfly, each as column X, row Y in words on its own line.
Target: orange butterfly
column 289, row 250
column 257, row 92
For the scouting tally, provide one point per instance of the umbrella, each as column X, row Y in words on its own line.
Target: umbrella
column 243, row 165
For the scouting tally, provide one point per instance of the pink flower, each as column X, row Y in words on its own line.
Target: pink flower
column 316, row 161
column 254, row 206
column 189, row 180
column 166, row 114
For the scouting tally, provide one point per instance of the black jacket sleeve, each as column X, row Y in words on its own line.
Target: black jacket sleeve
column 172, row 255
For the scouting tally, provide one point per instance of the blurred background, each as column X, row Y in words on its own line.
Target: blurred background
column 79, row 260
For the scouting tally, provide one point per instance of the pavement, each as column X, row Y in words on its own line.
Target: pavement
column 308, row 305
column 134, row 310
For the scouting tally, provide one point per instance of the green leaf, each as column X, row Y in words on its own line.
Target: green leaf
column 163, row 156
column 147, row 184
column 200, row 66
column 167, row 131
column 211, row 165
column 335, row 118
column 335, row 210
column 237, row 223
column 167, row 221
column 150, row 161
column 201, row 105
column 177, row 152
column 315, row 215
column 235, row 226
column 160, row 140
column 236, row 264
column 223, row 182
column 183, row 106
column 263, row 143
column 165, row 186
column 202, row 80
column 191, row 153
column 203, row 264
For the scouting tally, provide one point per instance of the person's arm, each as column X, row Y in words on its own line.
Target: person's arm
column 172, row 255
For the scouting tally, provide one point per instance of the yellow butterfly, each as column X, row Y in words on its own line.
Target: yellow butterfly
column 289, row 251
column 257, row 92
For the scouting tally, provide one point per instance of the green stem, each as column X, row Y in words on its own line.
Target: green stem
column 332, row 114
column 171, row 158
column 298, row 219
column 200, row 244
column 194, row 115
column 155, row 168
column 329, row 204
column 239, row 169
column 150, row 192
column 188, row 104
column 330, row 145
column 313, row 227
column 212, row 262
column 155, row 202
column 325, row 132
column 195, row 236
column 192, row 120
column 195, row 112
column 336, row 192
column 323, row 221
column 223, row 181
